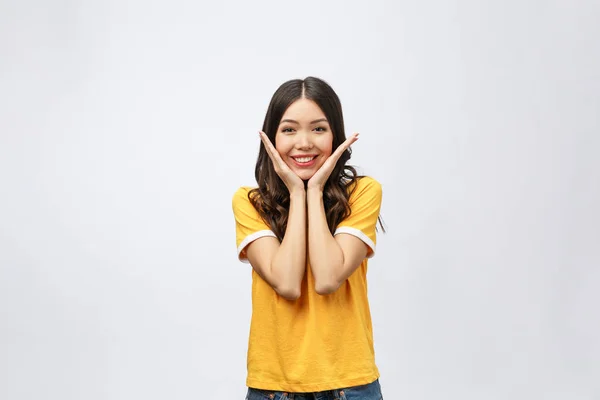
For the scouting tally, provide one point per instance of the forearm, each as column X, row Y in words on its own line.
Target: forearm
column 325, row 255
column 289, row 262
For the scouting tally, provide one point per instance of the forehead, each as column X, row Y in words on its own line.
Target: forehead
column 303, row 110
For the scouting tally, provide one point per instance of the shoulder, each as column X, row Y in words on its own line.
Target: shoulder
column 240, row 200
column 241, row 194
column 365, row 185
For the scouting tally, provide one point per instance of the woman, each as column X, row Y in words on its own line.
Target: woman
column 308, row 230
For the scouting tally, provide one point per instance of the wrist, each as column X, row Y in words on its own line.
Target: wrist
column 314, row 187
column 315, row 192
column 298, row 192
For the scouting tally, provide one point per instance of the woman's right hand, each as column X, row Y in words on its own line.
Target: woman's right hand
column 289, row 177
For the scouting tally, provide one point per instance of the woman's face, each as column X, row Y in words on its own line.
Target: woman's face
column 304, row 139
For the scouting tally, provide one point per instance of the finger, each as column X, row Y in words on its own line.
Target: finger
column 350, row 140
column 264, row 139
column 344, row 146
column 267, row 143
column 271, row 151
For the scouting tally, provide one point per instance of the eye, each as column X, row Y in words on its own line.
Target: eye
column 287, row 130
column 320, row 129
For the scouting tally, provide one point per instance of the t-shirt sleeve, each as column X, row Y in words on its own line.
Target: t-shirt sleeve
column 249, row 226
column 365, row 203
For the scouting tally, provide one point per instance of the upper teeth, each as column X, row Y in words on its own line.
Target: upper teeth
column 303, row 159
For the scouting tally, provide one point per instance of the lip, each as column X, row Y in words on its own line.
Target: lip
column 305, row 164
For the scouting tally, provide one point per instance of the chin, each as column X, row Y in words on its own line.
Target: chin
column 305, row 177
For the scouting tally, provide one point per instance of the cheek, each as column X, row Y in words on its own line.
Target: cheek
column 326, row 146
column 280, row 145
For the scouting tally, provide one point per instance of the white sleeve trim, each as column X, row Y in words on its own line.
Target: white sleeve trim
column 249, row 239
column 359, row 234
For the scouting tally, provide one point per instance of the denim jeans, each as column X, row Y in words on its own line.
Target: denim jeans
column 371, row 391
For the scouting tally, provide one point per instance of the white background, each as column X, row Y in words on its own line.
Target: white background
column 126, row 126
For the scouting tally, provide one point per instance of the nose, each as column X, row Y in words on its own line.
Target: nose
column 303, row 141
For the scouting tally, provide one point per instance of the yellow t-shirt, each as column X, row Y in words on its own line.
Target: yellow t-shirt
column 317, row 342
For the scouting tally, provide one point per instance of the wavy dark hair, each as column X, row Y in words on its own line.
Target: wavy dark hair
column 271, row 198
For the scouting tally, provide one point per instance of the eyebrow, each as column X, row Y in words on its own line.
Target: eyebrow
column 296, row 122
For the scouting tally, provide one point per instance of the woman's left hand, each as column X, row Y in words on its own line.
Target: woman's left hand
column 320, row 177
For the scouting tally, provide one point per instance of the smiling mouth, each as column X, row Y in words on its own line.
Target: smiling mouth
column 303, row 160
